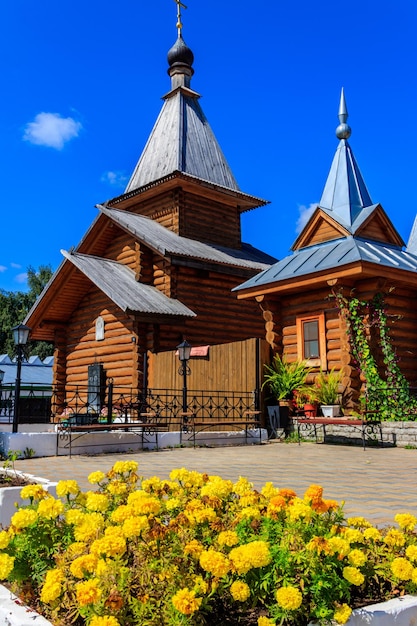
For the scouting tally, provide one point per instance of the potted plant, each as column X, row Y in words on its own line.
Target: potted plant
column 327, row 388
column 306, row 398
column 284, row 377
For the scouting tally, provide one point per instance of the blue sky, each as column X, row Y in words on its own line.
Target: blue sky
column 82, row 84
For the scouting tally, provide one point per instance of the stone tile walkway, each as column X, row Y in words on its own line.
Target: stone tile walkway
column 376, row 483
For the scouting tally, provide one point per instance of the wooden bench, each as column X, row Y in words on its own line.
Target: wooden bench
column 366, row 426
column 192, row 427
column 149, row 424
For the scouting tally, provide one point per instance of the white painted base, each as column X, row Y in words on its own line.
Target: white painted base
column 330, row 410
column 10, row 496
column 49, row 444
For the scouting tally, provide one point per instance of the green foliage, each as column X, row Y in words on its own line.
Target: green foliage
column 327, row 387
column 283, row 377
column 15, row 305
column 387, row 389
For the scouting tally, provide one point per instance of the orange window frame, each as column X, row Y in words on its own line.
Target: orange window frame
column 321, row 361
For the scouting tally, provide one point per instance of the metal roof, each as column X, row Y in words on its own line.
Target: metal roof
column 35, row 371
column 168, row 243
column 333, row 255
column 118, row 282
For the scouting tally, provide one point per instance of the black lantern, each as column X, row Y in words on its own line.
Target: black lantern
column 20, row 337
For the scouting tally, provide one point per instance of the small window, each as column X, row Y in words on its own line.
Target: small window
column 311, row 340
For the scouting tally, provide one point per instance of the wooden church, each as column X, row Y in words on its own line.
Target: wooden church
column 158, row 265
column 348, row 246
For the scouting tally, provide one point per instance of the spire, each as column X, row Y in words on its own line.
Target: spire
column 182, row 140
column 345, row 192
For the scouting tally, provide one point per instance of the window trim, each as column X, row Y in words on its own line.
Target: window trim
column 321, row 361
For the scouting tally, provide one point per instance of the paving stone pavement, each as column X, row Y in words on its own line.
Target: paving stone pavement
column 375, row 483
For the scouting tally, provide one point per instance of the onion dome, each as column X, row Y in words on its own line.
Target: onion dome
column 180, row 53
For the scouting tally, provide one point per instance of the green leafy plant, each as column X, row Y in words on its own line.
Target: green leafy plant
column 327, row 387
column 28, row 453
column 197, row 550
column 284, row 377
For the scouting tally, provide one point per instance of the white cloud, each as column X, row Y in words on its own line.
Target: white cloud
column 116, row 179
column 3, row 268
column 16, row 266
column 21, row 278
column 305, row 213
column 52, row 130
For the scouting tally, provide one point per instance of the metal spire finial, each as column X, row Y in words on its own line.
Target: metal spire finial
column 180, row 6
column 343, row 131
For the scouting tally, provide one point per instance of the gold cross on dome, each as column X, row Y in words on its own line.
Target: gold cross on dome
column 180, row 5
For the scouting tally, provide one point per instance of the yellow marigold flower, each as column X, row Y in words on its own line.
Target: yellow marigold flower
column 23, row 518
column 289, row 598
column 357, row 558
column 215, row 563
column 194, row 547
column 123, row 467
column 88, row 591
column 186, row 478
column 228, row 538
column 172, row 504
column 242, row 486
column 147, row 506
column 105, row 620
column 4, row 539
column 410, row 553
column 103, row 567
column 97, row 501
column 117, row 488
column 265, row 621
column 66, row 488
column 249, row 512
column 358, row 522
column 200, row 585
column 96, row 477
column 123, row 512
column 185, row 601
column 414, row 576
column 50, row 592
column 109, row 546
column 55, row 575
column 50, row 508
column 299, row 510
column 33, row 492
column 74, row 516
column 6, row 565
column 134, row 526
column 372, row 533
column 83, row 565
column 217, row 486
column 339, row 546
column 269, row 491
column 89, row 528
column 240, row 591
column 353, row 535
column 319, row 545
column 402, row 569
column 342, row 614
column 406, row 521
column 76, row 549
column 152, row 484
column 254, row 554
column 353, row 575
column 394, row 538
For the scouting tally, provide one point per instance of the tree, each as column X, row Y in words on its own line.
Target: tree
column 15, row 305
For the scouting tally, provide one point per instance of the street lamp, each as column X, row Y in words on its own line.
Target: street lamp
column 1, row 390
column 20, row 337
column 184, row 353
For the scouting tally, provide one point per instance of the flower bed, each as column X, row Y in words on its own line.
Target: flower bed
column 198, row 549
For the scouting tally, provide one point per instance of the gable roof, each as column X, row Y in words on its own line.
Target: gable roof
column 167, row 243
column 118, row 282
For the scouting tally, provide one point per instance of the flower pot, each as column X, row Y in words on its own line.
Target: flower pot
column 330, row 410
column 310, row 410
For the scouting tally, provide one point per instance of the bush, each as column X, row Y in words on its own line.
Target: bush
column 198, row 549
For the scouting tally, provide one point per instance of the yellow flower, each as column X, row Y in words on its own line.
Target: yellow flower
column 52, row 587
column 193, row 547
column 289, row 598
column 358, row 522
column 109, row 546
column 23, row 518
column 268, row 490
column 50, row 508
column 6, row 565
column 88, row 592
column 265, row 621
column 117, row 488
column 406, row 521
column 97, row 501
column 372, row 533
column 105, row 620
column 414, row 576
column 215, row 563
column 200, row 585
column 357, row 558
column 134, row 526
column 186, row 478
column 33, row 492
column 394, row 538
column 411, row 553
column 185, row 601
column 402, row 569
column 96, row 477
column 353, row 575
column 299, row 510
column 4, row 539
column 123, row 467
column 228, row 538
column 172, row 504
column 217, row 486
column 353, row 535
column 240, row 591
column 67, row 487
column 254, row 554
column 76, row 549
column 242, row 486
column 83, row 564
column 339, row 546
column 319, row 545
column 74, row 516
column 342, row 614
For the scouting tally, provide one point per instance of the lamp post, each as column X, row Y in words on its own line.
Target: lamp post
column 184, row 353
column 1, row 390
column 20, row 337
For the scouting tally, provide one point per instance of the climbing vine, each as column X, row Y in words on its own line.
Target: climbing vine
column 386, row 387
